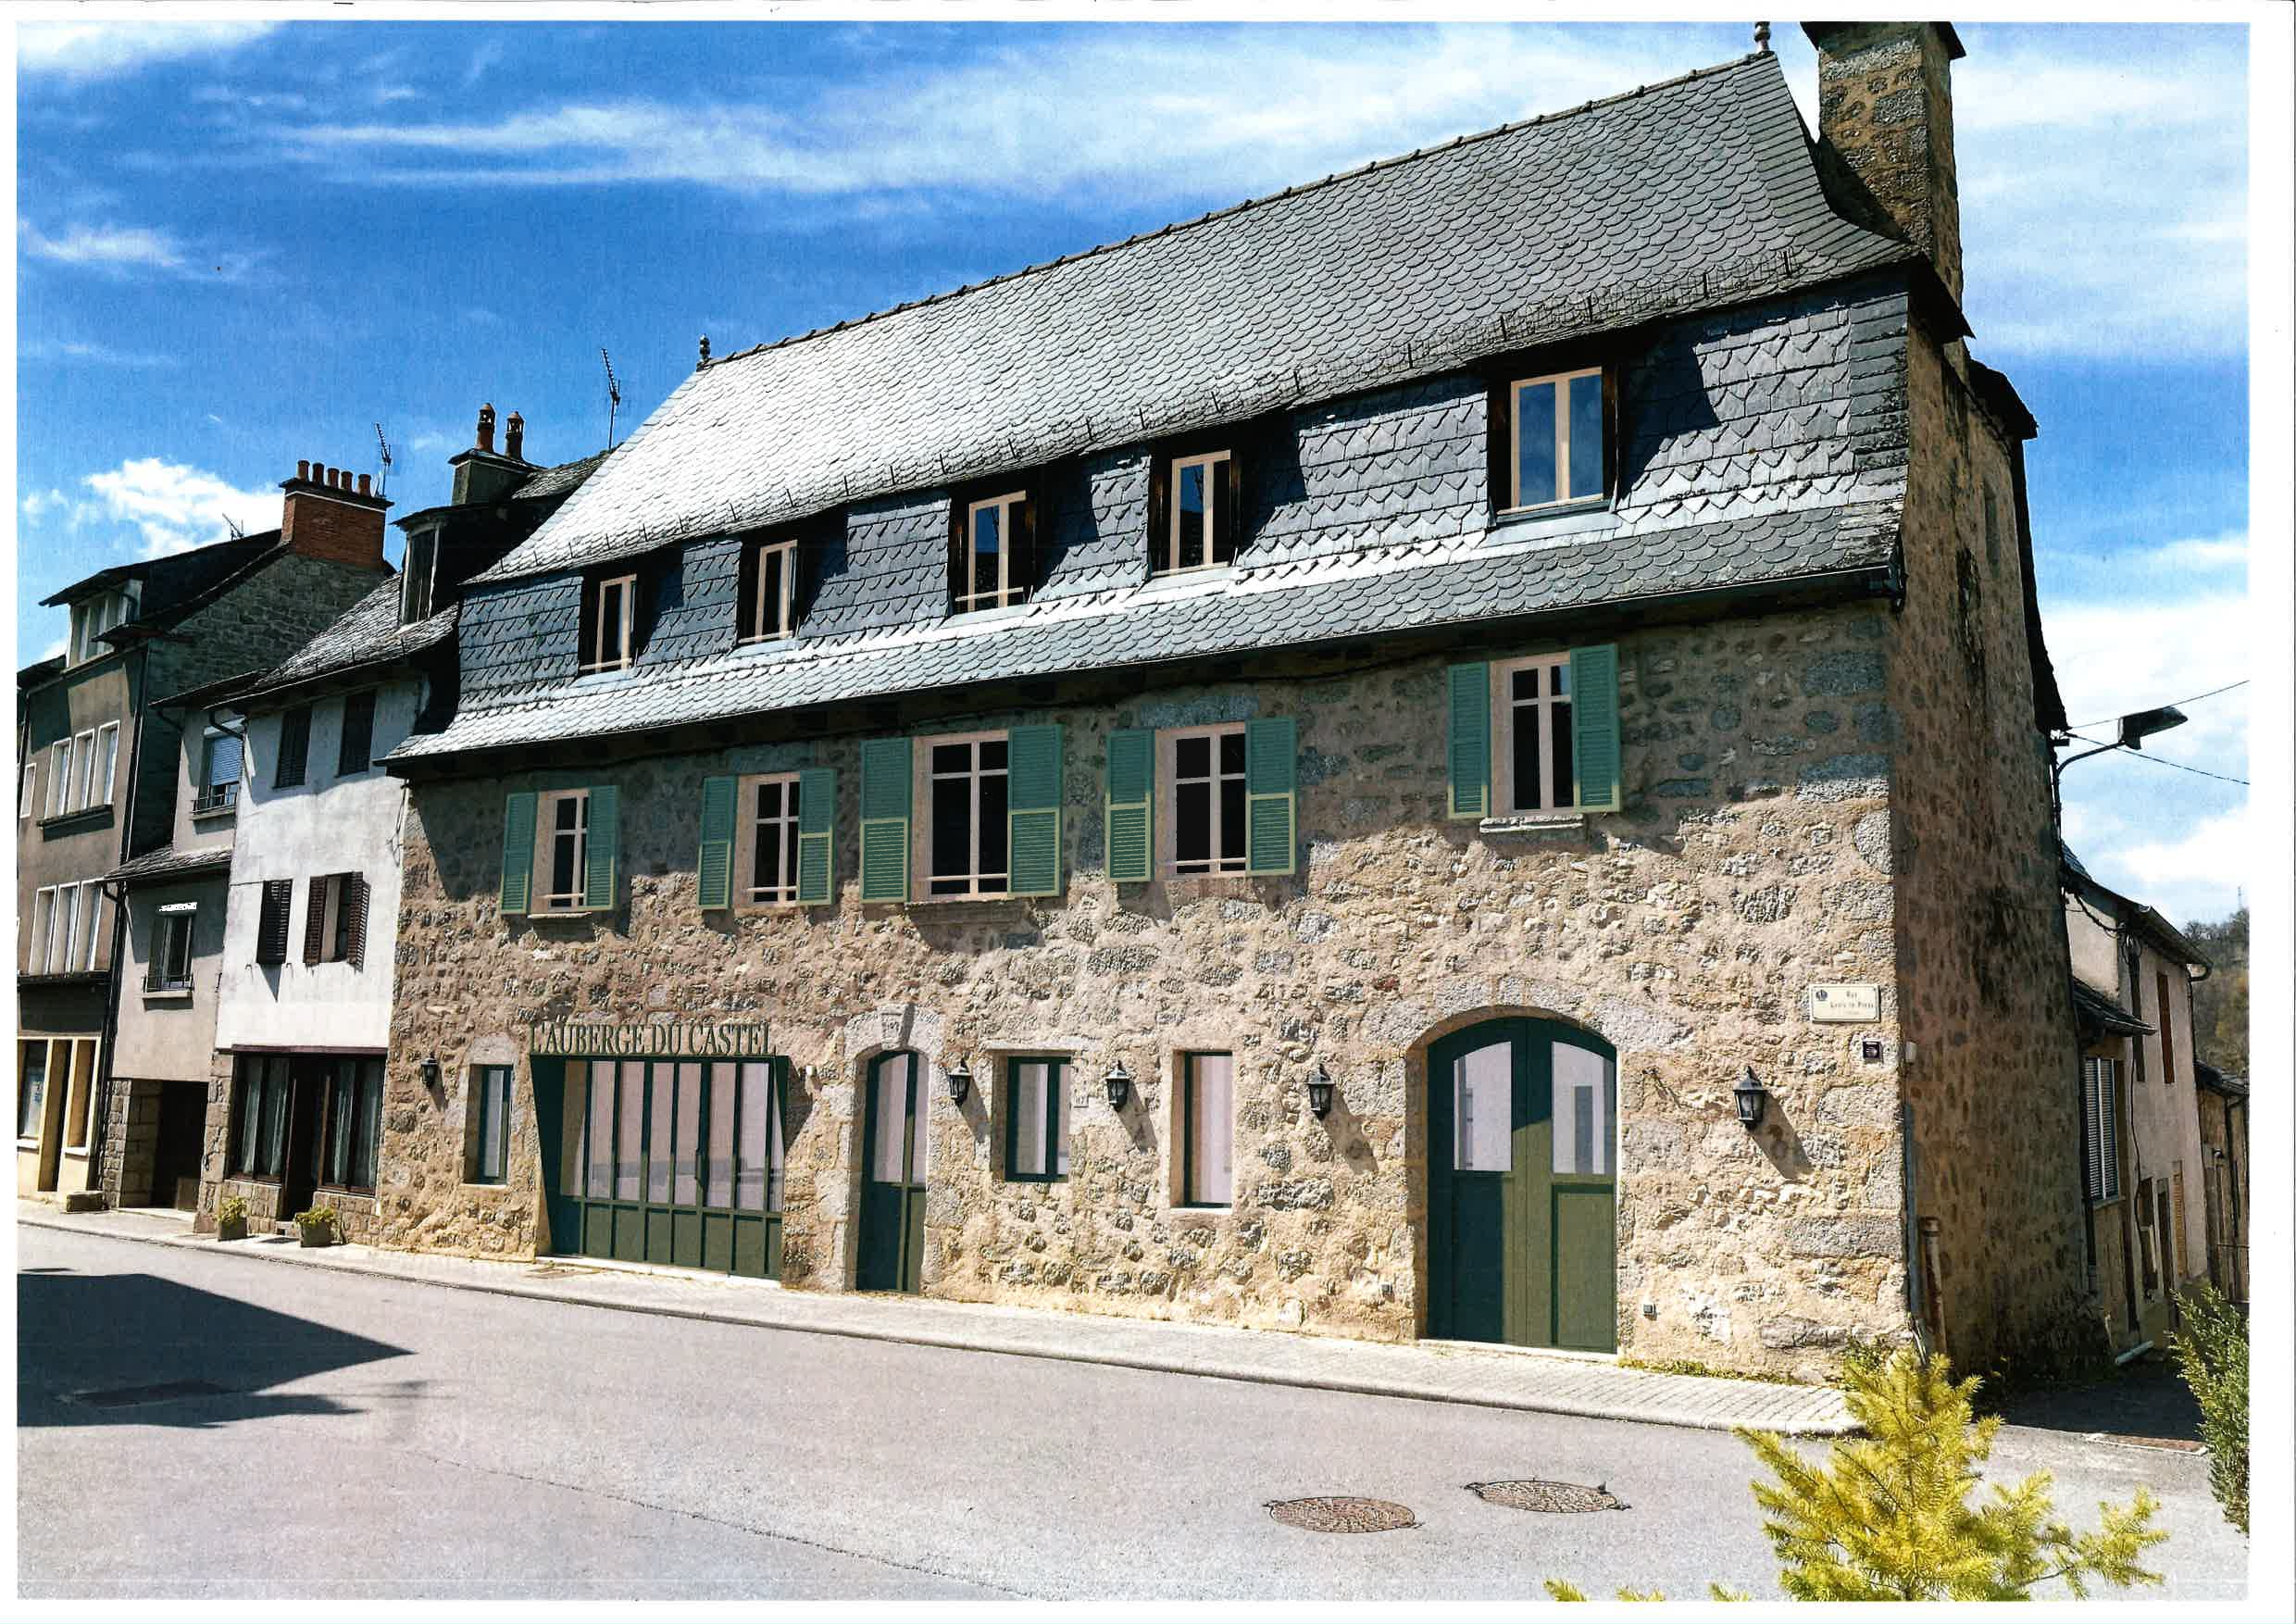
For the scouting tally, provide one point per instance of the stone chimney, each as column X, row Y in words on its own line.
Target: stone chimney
column 1885, row 110
column 514, row 438
column 330, row 513
column 484, row 474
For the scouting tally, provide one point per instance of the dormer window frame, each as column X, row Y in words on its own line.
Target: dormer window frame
column 419, row 586
column 94, row 616
column 768, row 608
column 1016, row 507
column 601, row 629
column 1217, row 544
column 1509, row 427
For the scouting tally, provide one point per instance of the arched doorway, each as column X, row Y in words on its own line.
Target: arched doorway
column 890, row 1247
column 1522, row 1186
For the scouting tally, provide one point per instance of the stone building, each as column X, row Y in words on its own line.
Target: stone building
column 100, row 788
column 2223, row 1100
column 1311, row 770
column 291, row 1073
column 2145, row 1168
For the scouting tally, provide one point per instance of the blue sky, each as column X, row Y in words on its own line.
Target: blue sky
column 244, row 244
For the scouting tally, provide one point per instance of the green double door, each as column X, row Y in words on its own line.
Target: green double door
column 1522, row 1186
column 891, row 1246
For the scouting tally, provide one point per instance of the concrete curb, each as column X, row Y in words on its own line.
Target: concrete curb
column 1376, row 1387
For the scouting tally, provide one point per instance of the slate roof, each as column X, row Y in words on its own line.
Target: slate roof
column 2219, row 1081
column 1681, row 196
column 368, row 634
column 2132, row 913
column 168, row 864
column 2095, row 1012
column 558, row 480
column 1462, row 583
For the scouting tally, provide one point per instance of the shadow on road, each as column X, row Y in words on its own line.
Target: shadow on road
column 2150, row 1402
column 133, row 1349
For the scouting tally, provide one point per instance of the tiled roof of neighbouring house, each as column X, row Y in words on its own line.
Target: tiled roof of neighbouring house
column 1682, row 196
column 368, row 634
column 2098, row 1013
column 168, row 864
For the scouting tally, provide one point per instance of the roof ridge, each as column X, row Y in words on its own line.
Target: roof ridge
column 1373, row 167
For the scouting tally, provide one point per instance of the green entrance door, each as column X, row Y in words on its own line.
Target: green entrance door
column 892, row 1243
column 672, row 1161
column 1522, row 1186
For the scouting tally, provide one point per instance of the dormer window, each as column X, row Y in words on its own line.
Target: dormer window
column 992, row 552
column 609, row 613
column 769, row 587
column 1198, row 528
column 416, row 582
column 1557, row 440
column 92, row 617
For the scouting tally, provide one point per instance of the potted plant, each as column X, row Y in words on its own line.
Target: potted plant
column 232, row 1218
column 316, row 1226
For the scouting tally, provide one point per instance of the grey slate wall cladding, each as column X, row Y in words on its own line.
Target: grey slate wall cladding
column 1772, row 409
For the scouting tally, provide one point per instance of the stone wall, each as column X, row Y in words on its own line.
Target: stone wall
column 1753, row 857
column 131, row 1138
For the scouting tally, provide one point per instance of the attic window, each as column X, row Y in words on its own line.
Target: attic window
column 417, row 581
column 609, row 611
column 1554, row 431
column 991, row 552
column 1198, row 526
column 92, row 617
column 769, row 587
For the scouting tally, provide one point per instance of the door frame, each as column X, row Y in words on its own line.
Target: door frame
column 897, row 1267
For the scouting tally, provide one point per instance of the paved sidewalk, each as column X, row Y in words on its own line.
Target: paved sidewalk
column 1446, row 1373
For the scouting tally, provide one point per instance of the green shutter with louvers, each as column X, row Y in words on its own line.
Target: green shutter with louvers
column 714, row 869
column 1271, row 784
column 1594, row 725
column 1469, row 750
column 605, row 848
column 1033, row 771
column 885, row 820
column 1129, row 806
column 817, row 833
column 517, row 862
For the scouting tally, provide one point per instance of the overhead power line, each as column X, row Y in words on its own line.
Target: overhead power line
column 2187, row 699
column 2161, row 761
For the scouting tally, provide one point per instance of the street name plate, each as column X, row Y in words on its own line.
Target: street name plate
column 1842, row 1001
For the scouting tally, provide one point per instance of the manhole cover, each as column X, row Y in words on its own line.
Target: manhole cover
column 1341, row 1514
column 120, row 1398
column 1536, row 1495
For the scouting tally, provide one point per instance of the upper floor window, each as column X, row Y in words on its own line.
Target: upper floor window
column 27, row 794
column 218, row 771
column 1206, row 831
column 562, row 851
column 66, row 926
column 768, row 863
column 965, row 833
column 610, row 617
column 418, row 577
column 1557, row 440
column 769, row 587
column 1531, row 770
column 992, row 552
column 170, row 966
column 84, row 771
column 92, row 617
column 356, row 750
column 334, row 920
column 294, row 748
column 1198, row 527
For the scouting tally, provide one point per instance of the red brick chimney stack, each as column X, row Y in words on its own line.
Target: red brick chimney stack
column 329, row 514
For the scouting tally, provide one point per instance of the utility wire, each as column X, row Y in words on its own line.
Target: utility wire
column 2161, row 760
column 2187, row 699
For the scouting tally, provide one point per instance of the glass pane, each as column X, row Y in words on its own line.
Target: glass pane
column 1191, row 822
column 370, row 1118
column 749, row 1179
column 1231, row 753
column 1223, row 543
column 658, row 1132
column 1530, row 793
column 1233, row 827
column 771, row 1096
column 918, row 1113
column 1192, row 756
column 1523, row 683
column 892, row 1120
column 987, row 535
column 769, row 565
column 952, row 826
column 33, row 1091
column 1483, row 1103
column 601, row 1135
column 1191, row 504
column 223, row 761
column 562, row 843
column 1582, row 1110
column 342, row 1124
column 1211, row 1127
column 1057, row 1116
column 1586, row 436
column 631, row 1129
column 1534, row 444
column 686, row 1148
column 1028, row 1117
column 494, row 1088
column 250, row 1109
column 274, row 1115
column 1559, row 721
column 718, row 1174
column 993, row 832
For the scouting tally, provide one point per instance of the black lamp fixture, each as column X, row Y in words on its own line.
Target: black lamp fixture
column 1119, row 1086
column 1753, row 1100
column 1319, row 1093
column 960, row 1083
column 430, row 1072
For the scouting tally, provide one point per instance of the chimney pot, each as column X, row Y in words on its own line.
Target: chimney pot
column 303, row 468
column 486, row 427
column 362, row 484
column 514, row 438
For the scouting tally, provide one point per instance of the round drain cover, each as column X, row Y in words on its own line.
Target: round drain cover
column 1341, row 1514
column 1536, row 1495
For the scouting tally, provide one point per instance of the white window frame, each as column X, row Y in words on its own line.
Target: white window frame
column 546, row 836
column 1563, row 496
column 968, row 600
column 107, row 746
column 924, row 779
column 757, row 626
column 1561, row 799
column 593, row 627
column 83, row 769
column 78, row 1093
column 41, row 943
column 47, row 1062
column 1167, row 830
column 59, row 776
column 746, row 840
column 1184, row 1173
column 202, row 805
column 1212, row 462
column 167, row 919
column 28, row 789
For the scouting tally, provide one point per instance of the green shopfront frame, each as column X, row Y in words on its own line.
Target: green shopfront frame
column 665, row 1160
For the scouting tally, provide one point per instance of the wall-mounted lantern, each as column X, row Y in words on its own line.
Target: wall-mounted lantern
column 1119, row 1086
column 1753, row 1100
column 430, row 1070
column 960, row 1083
column 1319, row 1093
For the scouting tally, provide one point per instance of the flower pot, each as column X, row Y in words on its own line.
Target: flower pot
column 316, row 1235
column 232, row 1228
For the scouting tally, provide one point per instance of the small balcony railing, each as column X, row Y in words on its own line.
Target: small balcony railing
column 158, row 980
column 216, row 797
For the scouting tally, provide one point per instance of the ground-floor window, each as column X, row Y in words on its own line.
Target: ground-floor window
column 31, row 1086
column 1036, row 1117
column 259, row 1114
column 680, row 1133
column 354, row 1122
column 490, row 1131
column 1208, row 1130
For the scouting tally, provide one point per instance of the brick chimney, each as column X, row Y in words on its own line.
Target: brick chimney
column 484, row 474
column 1884, row 109
column 332, row 514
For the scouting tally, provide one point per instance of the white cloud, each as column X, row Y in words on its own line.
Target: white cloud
column 93, row 50
column 92, row 353
column 173, row 507
column 54, row 651
column 37, row 505
column 105, row 247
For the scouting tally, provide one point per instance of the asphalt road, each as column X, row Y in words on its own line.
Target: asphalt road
column 369, row 1438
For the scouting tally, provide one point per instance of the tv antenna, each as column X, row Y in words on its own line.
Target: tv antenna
column 613, row 396
column 239, row 530
column 383, row 476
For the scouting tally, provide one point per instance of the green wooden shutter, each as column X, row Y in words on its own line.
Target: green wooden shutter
column 885, row 820
column 1129, row 804
column 604, row 842
column 1469, row 749
column 817, row 836
column 517, row 862
column 714, row 869
column 1594, row 725
column 1032, row 809
column 1270, row 782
